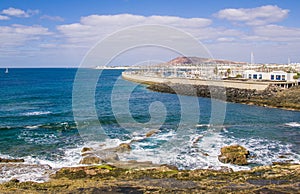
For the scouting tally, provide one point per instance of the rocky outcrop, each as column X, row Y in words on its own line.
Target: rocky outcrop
column 123, row 147
column 162, row 179
column 3, row 160
column 272, row 96
column 100, row 156
column 151, row 132
column 234, row 154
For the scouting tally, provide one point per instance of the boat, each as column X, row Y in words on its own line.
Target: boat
column 6, row 71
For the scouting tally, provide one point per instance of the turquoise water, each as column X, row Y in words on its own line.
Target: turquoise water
column 37, row 123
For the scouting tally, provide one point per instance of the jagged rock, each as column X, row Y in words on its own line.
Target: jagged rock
column 3, row 160
column 151, row 132
column 92, row 159
column 123, row 147
column 86, row 149
column 234, row 154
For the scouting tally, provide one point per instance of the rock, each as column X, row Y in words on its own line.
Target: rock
column 151, row 132
column 225, row 169
column 123, row 147
column 234, row 154
column 111, row 157
column 86, row 149
column 91, row 160
column 14, row 180
column 3, row 160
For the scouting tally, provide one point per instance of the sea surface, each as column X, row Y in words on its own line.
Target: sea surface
column 37, row 123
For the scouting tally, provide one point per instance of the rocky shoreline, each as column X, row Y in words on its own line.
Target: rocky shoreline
column 279, row 178
column 273, row 96
column 104, row 175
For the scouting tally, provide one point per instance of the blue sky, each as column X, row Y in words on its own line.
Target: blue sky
column 52, row 33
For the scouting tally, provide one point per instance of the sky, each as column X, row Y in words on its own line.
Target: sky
column 55, row 33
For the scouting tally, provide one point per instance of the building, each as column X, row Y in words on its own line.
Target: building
column 269, row 76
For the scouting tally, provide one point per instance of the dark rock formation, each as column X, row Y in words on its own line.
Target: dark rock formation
column 273, row 96
column 163, row 179
column 234, row 154
column 3, row 160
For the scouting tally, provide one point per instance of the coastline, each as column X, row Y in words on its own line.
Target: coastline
column 278, row 178
column 265, row 95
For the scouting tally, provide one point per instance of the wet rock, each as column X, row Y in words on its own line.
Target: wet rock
column 3, row 160
column 91, row 159
column 234, row 154
column 86, row 149
column 123, row 147
column 151, row 132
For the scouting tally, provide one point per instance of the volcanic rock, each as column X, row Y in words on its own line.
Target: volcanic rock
column 234, row 154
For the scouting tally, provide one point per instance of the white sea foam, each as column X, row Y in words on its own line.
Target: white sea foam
column 36, row 113
column 25, row 172
column 203, row 153
column 293, row 124
column 32, row 126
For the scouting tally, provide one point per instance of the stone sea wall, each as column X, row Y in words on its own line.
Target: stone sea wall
column 261, row 94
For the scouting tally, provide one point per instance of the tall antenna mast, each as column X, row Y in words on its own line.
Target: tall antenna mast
column 252, row 58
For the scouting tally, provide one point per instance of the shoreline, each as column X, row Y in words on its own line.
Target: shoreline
column 105, row 178
column 266, row 95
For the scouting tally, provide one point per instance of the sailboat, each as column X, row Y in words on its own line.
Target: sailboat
column 6, row 71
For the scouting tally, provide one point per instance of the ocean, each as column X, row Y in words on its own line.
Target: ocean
column 37, row 123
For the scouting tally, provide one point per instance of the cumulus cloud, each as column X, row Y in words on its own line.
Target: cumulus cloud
column 255, row 16
column 94, row 27
column 19, row 12
column 4, row 17
column 16, row 35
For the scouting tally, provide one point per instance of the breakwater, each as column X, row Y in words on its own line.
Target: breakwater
column 239, row 84
column 254, row 93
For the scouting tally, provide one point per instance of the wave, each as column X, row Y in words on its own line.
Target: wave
column 36, row 113
column 293, row 124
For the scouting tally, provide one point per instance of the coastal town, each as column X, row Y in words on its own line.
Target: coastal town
column 195, row 68
column 268, row 85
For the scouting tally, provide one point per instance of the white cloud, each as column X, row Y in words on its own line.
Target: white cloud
column 4, row 17
column 255, row 16
column 19, row 12
column 16, row 35
column 277, row 33
column 94, row 27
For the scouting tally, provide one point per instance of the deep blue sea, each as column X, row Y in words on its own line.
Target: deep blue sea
column 37, row 123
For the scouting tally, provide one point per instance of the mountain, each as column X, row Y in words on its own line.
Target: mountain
column 198, row 60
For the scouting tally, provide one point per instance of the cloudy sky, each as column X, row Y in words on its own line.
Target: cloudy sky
column 53, row 33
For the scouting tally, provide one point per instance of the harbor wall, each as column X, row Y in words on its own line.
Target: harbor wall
column 248, row 85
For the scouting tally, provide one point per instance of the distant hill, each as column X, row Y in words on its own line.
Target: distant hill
column 198, row 60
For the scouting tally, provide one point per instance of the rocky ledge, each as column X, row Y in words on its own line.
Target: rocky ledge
column 145, row 177
column 281, row 178
column 273, row 96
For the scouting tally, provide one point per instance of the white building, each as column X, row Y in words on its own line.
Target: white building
column 270, row 76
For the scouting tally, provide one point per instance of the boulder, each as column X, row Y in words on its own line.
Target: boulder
column 91, row 159
column 86, row 149
column 123, row 147
column 151, row 132
column 234, row 154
